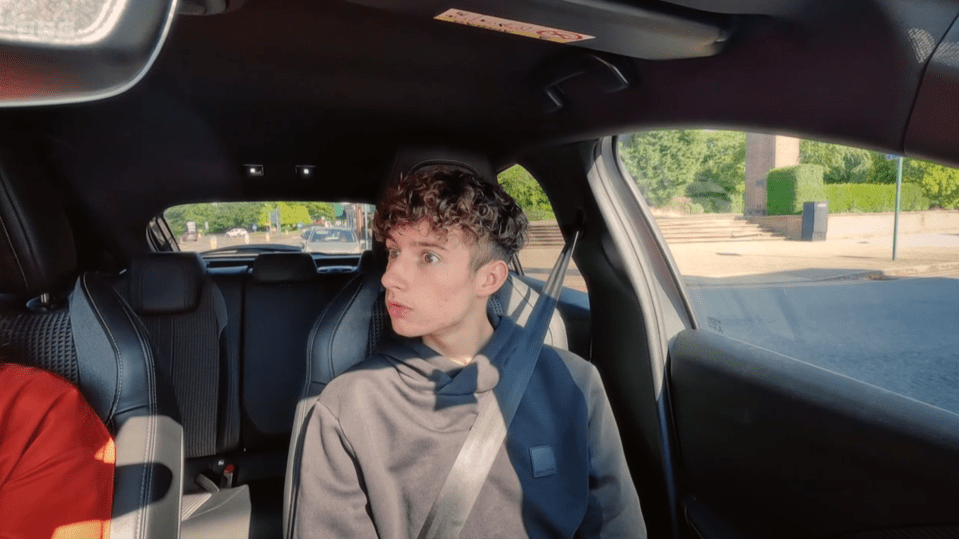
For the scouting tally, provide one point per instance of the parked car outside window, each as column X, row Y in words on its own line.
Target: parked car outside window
column 332, row 241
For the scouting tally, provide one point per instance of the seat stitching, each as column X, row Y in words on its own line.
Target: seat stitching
column 113, row 343
column 152, row 418
column 145, row 474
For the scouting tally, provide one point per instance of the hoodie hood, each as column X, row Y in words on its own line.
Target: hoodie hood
column 424, row 369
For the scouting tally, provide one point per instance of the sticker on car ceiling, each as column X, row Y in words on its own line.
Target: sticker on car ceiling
column 511, row 27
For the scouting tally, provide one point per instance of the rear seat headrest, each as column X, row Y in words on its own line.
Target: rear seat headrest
column 284, row 268
column 37, row 253
column 166, row 283
column 411, row 158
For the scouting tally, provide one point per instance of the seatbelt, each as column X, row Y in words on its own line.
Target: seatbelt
column 455, row 500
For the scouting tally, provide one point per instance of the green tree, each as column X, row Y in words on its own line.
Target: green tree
column 724, row 164
column 884, row 170
column 319, row 209
column 521, row 185
column 663, row 163
column 842, row 164
column 940, row 184
column 291, row 213
column 220, row 216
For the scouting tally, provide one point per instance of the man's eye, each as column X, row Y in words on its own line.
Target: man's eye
column 430, row 258
column 392, row 253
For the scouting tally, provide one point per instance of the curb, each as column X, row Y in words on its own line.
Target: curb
column 921, row 269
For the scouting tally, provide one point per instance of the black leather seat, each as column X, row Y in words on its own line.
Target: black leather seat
column 284, row 297
column 349, row 329
column 185, row 315
column 89, row 335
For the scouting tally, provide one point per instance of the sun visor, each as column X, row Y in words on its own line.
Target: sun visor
column 79, row 51
column 618, row 27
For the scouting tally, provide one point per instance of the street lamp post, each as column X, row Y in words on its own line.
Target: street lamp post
column 895, row 225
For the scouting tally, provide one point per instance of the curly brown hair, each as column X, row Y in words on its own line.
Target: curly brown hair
column 448, row 197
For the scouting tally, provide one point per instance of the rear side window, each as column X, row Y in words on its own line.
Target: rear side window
column 214, row 228
column 545, row 238
column 794, row 246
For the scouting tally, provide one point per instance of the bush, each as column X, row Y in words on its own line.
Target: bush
column 872, row 198
column 788, row 188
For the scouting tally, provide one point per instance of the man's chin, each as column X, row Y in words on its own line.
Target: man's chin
column 404, row 329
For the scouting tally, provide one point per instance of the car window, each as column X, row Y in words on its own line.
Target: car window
column 226, row 228
column 545, row 239
column 794, row 246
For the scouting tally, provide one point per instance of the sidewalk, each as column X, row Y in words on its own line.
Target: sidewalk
column 763, row 262
column 767, row 262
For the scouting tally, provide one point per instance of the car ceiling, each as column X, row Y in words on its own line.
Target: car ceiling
column 339, row 84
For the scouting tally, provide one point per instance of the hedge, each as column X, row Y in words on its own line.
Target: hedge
column 788, row 188
column 872, row 198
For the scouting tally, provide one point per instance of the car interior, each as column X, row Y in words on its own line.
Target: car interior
column 203, row 367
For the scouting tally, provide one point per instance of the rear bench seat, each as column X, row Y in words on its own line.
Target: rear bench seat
column 283, row 296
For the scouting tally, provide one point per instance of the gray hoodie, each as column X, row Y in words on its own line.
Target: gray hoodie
column 382, row 437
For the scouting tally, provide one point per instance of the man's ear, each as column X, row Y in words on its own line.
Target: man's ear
column 491, row 277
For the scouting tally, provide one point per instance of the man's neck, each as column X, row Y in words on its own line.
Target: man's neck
column 463, row 346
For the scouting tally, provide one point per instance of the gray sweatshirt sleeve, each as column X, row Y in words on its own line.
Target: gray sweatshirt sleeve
column 613, row 509
column 331, row 501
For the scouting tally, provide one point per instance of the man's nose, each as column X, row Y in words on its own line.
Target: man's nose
column 393, row 277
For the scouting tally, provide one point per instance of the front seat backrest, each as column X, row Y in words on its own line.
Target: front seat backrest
column 185, row 315
column 90, row 336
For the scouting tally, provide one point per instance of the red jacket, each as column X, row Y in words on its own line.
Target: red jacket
column 56, row 459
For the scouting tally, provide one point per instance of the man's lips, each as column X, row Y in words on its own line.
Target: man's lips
column 397, row 310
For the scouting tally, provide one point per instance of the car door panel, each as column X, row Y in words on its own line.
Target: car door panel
column 773, row 446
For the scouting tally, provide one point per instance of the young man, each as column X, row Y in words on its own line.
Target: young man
column 382, row 437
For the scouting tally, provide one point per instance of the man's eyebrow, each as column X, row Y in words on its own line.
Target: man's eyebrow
column 434, row 244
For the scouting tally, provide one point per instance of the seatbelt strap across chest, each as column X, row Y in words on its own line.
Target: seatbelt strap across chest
column 455, row 500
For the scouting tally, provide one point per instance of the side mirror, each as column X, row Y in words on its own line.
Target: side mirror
column 57, row 52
